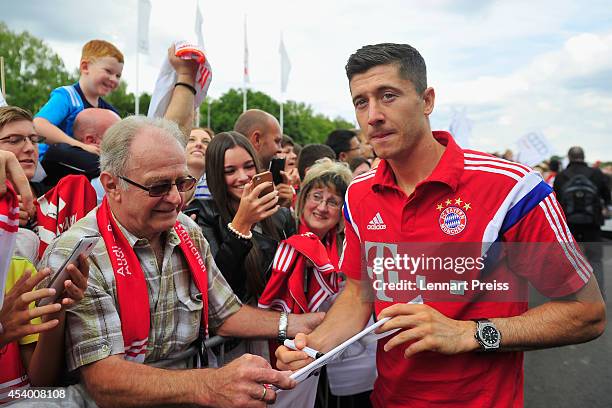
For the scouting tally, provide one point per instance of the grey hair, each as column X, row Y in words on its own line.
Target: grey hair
column 117, row 141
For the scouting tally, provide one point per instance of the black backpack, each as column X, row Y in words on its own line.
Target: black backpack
column 580, row 201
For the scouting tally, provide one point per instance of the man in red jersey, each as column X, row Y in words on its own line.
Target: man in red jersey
column 461, row 353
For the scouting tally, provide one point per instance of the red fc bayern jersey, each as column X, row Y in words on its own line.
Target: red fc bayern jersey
column 473, row 207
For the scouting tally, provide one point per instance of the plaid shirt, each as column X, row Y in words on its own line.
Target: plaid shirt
column 93, row 327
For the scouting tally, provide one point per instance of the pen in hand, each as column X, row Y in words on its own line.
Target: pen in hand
column 311, row 352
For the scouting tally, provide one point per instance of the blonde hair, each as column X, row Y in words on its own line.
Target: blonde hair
column 95, row 49
column 324, row 173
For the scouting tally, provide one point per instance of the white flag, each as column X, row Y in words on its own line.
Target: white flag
column 2, row 101
column 246, row 54
column 144, row 12
column 461, row 128
column 285, row 66
column 198, row 26
column 533, row 148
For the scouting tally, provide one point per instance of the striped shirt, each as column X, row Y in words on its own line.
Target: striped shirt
column 93, row 326
column 202, row 192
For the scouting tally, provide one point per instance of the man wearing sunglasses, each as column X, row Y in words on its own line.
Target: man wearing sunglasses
column 154, row 288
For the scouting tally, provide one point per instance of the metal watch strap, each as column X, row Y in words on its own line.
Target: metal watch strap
column 283, row 322
column 483, row 346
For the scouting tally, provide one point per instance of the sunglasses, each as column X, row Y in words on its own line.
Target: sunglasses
column 182, row 184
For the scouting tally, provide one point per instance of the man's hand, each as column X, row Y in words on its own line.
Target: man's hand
column 293, row 176
column 427, row 330
column 287, row 359
column 24, row 214
column 15, row 314
column 10, row 167
column 243, row 383
column 74, row 288
column 185, row 68
column 303, row 323
column 285, row 191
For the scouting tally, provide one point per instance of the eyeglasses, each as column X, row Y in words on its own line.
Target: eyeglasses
column 15, row 140
column 317, row 198
column 182, row 184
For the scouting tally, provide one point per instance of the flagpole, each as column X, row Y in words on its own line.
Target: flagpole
column 208, row 115
column 137, row 95
column 246, row 68
column 282, row 96
column 2, row 83
column 285, row 67
column 281, row 114
column 136, row 104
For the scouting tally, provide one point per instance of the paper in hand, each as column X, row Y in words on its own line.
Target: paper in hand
column 365, row 336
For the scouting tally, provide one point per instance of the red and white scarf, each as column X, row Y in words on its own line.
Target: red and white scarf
column 66, row 203
column 12, row 373
column 9, row 224
column 133, row 297
column 285, row 290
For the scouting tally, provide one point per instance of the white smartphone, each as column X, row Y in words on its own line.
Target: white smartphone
column 84, row 247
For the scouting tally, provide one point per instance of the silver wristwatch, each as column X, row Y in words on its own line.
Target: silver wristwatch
column 487, row 335
column 283, row 322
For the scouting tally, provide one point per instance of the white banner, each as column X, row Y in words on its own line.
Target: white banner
column 144, row 12
column 461, row 128
column 285, row 66
column 198, row 26
column 533, row 148
column 246, row 78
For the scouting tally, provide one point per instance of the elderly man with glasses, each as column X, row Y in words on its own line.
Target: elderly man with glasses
column 155, row 290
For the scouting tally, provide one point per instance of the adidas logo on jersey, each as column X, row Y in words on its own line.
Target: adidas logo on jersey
column 377, row 223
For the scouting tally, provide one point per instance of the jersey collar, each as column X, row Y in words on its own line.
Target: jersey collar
column 448, row 171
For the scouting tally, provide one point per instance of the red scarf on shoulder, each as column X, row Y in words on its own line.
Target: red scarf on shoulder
column 133, row 297
column 66, row 203
column 304, row 273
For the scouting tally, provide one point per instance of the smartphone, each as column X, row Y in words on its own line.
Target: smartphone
column 262, row 178
column 84, row 247
column 276, row 166
column 191, row 211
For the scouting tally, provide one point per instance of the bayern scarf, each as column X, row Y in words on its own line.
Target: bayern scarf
column 66, row 203
column 9, row 224
column 295, row 287
column 133, row 297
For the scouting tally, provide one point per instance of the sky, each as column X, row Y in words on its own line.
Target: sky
column 513, row 67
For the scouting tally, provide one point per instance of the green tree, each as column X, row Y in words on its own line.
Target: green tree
column 300, row 122
column 32, row 69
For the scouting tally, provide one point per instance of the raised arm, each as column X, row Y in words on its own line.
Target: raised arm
column 180, row 109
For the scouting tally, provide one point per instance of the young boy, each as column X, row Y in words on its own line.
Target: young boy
column 101, row 66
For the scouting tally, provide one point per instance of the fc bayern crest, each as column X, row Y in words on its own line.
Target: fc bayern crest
column 452, row 220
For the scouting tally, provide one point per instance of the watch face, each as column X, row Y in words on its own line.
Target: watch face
column 490, row 335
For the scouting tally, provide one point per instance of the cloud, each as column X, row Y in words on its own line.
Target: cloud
column 516, row 66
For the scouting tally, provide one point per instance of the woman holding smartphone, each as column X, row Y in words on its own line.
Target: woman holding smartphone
column 242, row 223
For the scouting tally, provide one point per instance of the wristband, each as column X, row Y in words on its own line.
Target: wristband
column 238, row 233
column 283, row 323
column 186, row 85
